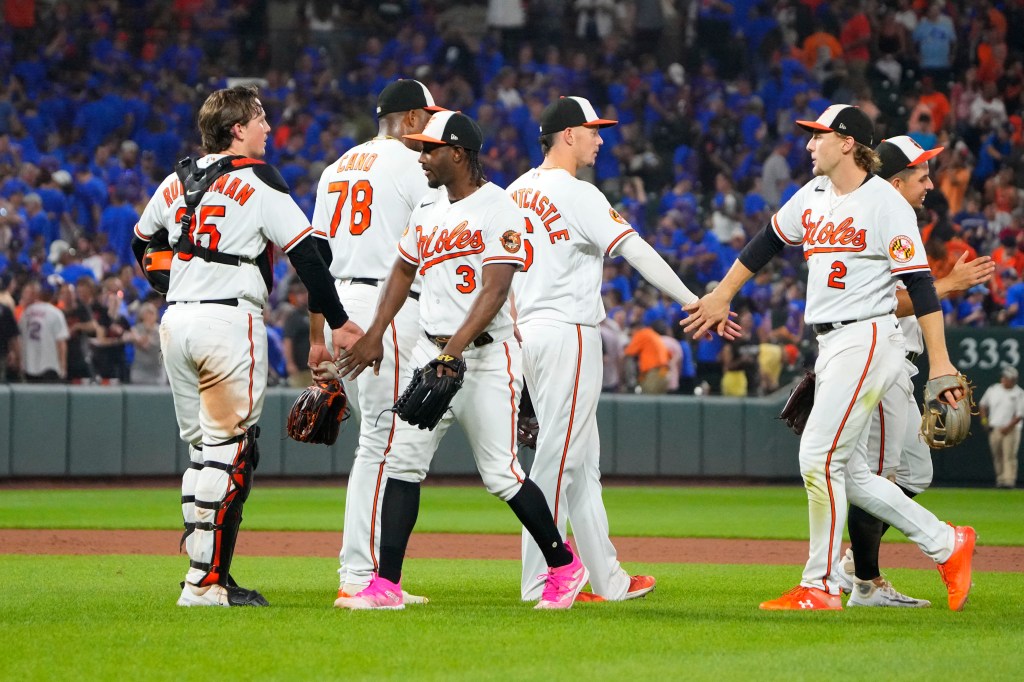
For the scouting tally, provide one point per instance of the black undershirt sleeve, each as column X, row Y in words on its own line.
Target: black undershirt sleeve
column 323, row 297
column 324, row 247
column 921, row 287
column 761, row 249
column 139, row 249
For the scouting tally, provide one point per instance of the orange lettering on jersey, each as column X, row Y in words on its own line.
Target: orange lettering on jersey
column 827, row 237
column 230, row 190
column 172, row 192
column 442, row 245
column 242, row 195
column 561, row 234
column 341, row 163
column 370, row 158
column 219, row 184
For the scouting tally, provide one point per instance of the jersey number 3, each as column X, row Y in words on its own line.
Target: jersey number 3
column 362, row 196
column 835, row 280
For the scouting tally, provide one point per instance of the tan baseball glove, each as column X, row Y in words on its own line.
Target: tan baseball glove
column 942, row 425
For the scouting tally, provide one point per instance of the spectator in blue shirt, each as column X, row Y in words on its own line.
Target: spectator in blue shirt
column 1013, row 314
column 971, row 311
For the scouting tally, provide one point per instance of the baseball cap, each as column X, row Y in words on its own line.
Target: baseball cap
column 978, row 289
column 405, row 95
column 843, row 119
column 451, row 128
column 902, row 152
column 569, row 112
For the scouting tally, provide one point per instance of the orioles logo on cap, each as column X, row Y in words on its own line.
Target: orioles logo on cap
column 901, row 248
column 512, row 241
column 616, row 217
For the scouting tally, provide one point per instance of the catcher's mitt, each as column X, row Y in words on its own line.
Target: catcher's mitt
column 527, row 427
column 317, row 413
column 942, row 426
column 798, row 407
column 427, row 397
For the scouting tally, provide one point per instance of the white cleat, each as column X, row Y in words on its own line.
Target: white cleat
column 870, row 593
column 845, row 574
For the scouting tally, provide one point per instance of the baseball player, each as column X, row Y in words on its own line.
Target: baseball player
column 570, row 227
column 465, row 241
column 902, row 456
column 363, row 203
column 858, row 235
column 212, row 336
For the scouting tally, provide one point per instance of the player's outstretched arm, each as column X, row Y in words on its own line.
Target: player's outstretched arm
column 711, row 313
column 655, row 270
column 369, row 350
column 963, row 276
column 323, row 297
column 497, row 281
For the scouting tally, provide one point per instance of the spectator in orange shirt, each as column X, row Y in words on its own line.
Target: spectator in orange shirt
column 937, row 103
column 652, row 360
column 955, row 178
column 814, row 42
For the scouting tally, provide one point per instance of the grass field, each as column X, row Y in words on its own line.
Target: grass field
column 113, row 617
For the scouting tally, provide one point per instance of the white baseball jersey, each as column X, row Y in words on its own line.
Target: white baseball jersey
column 238, row 215
column 379, row 180
column 42, row 325
column 570, row 228
column 450, row 243
column 854, row 245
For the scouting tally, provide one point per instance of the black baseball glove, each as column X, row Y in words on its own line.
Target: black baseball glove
column 317, row 413
column 527, row 427
column 427, row 397
column 798, row 407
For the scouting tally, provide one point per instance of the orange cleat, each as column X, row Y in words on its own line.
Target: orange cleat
column 802, row 598
column 956, row 571
column 584, row 597
column 640, row 586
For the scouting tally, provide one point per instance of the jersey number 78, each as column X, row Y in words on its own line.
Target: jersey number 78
column 361, row 193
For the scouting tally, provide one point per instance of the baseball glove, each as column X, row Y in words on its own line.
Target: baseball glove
column 527, row 427
column 798, row 407
column 427, row 397
column 317, row 413
column 942, row 426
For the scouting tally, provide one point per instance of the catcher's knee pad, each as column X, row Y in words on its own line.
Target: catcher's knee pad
column 221, row 490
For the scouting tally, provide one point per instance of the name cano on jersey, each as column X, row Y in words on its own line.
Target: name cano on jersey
column 441, row 245
column 830, row 237
column 548, row 213
column 225, row 184
column 356, row 162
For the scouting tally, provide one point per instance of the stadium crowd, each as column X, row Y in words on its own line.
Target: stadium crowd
column 97, row 102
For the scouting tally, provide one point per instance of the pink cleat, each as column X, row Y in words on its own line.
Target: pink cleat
column 381, row 593
column 563, row 584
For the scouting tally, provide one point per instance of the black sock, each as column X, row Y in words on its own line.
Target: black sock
column 398, row 512
column 531, row 508
column 865, row 538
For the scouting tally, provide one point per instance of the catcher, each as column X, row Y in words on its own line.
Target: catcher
column 465, row 242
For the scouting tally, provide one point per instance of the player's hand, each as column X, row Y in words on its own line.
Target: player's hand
column 950, row 395
column 710, row 313
column 319, row 354
column 965, row 275
column 368, row 350
column 344, row 336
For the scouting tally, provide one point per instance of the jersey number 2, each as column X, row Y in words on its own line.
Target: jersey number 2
column 362, row 197
column 835, row 280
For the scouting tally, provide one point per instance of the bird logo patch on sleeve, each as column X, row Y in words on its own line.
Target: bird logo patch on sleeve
column 616, row 217
column 901, row 249
column 512, row 241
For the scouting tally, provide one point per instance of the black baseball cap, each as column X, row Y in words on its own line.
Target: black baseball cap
column 843, row 119
column 902, row 152
column 452, row 128
column 405, row 95
column 569, row 112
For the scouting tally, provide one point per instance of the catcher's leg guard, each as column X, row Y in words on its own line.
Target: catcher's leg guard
column 188, row 494
column 222, row 488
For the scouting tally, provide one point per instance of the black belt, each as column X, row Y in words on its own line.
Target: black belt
column 912, row 356
column 442, row 341
column 826, row 327
column 218, row 301
column 414, row 295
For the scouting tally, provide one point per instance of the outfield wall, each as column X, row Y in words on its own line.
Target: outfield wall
column 129, row 431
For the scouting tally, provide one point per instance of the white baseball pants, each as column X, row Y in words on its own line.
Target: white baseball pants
column 895, row 452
